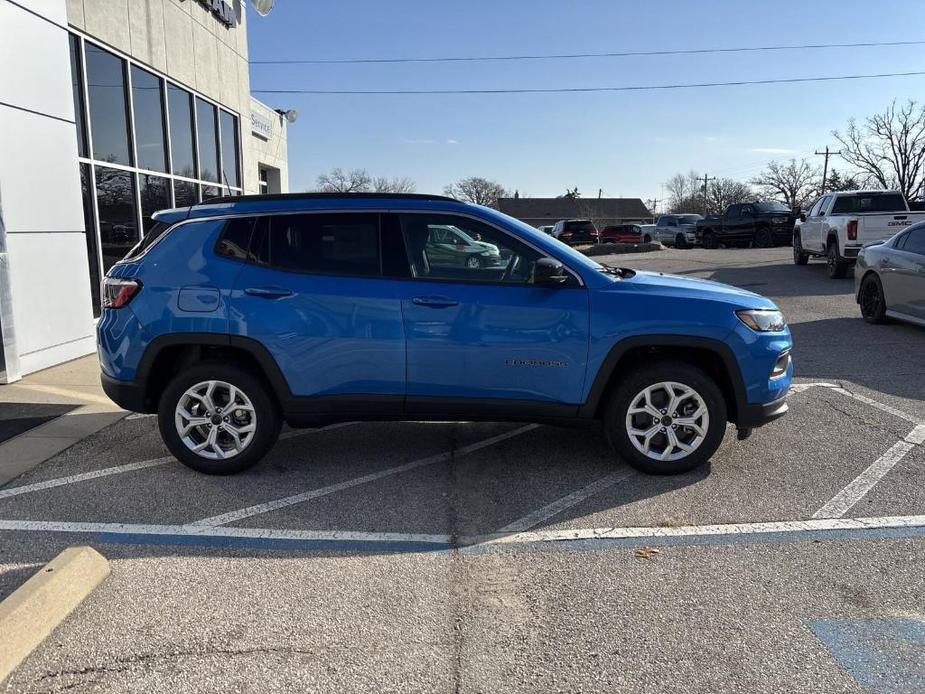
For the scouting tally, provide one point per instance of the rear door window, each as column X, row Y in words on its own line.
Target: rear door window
column 915, row 242
column 323, row 244
column 875, row 202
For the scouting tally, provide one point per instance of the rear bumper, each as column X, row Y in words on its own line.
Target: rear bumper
column 752, row 416
column 126, row 394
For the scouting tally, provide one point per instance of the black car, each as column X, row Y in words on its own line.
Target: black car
column 761, row 224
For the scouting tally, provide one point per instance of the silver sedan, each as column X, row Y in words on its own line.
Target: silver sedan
column 889, row 278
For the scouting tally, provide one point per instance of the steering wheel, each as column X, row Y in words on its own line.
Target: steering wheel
column 512, row 265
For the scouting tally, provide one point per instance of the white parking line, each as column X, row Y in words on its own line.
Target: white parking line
column 883, row 407
column 734, row 529
column 277, row 504
column 858, row 488
column 95, row 474
column 566, row 502
column 130, row 467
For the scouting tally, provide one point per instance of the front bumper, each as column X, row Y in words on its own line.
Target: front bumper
column 126, row 394
column 752, row 416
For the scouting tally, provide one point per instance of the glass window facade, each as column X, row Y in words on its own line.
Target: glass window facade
column 148, row 107
column 144, row 144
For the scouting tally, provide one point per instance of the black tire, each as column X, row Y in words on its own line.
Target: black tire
column 764, row 238
column 268, row 421
column 709, row 240
column 647, row 239
column 800, row 257
column 615, row 425
column 680, row 241
column 872, row 300
column 837, row 268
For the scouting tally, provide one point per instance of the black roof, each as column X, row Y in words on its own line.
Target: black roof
column 326, row 196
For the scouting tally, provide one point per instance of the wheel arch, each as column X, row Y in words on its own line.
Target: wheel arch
column 167, row 355
column 713, row 356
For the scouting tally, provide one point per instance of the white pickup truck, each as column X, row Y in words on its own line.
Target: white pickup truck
column 837, row 225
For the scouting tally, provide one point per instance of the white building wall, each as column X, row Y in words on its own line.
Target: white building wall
column 267, row 149
column 40, row 188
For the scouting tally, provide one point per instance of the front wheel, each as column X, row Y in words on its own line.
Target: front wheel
column 218, row 418
column 666, row 418
column 680, row 241
column 647, row 239
column 800, row 257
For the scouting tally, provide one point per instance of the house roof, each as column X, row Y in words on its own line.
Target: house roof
column 555, row 209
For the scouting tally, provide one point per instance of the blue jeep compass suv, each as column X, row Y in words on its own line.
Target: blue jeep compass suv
column 237, row 314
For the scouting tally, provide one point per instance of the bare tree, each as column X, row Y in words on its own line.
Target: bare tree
column 339, row 181
column 727, row 191
column 794, row 184
column 685, row 192
column 889, row 146
column 381, row 184
column 475, row 189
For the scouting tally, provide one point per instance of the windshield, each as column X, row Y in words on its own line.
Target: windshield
column 772, row 206
column 688, row 218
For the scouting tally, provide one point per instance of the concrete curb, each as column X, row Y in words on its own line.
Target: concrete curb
column 31, row 613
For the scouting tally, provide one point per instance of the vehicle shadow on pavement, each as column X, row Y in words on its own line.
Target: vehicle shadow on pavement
column 781, row 280
column 896, row 349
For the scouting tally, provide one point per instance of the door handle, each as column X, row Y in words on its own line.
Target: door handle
column 268, row 292
column 434, row 301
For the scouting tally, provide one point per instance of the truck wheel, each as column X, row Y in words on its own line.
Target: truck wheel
column 800, row 257
column 218, row 418
column 837, row 267
column 873, row 303
column 709, row 240
column 647, row 239
column 666, row 418
column 680, row 241
column 764, row 238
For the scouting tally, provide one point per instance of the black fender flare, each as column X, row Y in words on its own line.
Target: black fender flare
column 260, row 354
column 604, row 375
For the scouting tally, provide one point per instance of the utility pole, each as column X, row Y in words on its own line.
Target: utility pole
column 706, row 182
column 825, row 166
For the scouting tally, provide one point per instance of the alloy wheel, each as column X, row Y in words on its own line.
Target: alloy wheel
column 667, row 421
column 215, row 420
column 871, row 298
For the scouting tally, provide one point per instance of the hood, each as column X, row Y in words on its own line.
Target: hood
column 694, row 288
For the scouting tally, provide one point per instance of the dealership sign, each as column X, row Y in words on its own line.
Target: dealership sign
column 223, row 10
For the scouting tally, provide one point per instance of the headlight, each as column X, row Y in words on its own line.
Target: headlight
column 762, row 320
column 779, row 220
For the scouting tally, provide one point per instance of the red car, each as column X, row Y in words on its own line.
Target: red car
column 622, row 233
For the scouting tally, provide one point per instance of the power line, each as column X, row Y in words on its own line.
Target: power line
column 572, row 56
column 572, row 90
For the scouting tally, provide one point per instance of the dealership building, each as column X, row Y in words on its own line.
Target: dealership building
column 109, row 111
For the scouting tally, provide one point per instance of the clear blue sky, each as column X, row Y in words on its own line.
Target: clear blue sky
column 626, row 143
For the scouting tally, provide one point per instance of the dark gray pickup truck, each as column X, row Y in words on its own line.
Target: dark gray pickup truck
column 763, row 224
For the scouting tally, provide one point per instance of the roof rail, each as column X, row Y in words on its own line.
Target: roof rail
column 325, row 196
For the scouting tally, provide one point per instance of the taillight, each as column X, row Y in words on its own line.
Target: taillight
column 853, row 230
column 118, row 292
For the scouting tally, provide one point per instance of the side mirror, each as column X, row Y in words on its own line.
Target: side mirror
column 549, row 271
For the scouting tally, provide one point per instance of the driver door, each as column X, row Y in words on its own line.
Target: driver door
column 486, row 332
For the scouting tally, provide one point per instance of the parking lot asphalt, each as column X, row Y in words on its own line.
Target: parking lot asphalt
column 477, row 557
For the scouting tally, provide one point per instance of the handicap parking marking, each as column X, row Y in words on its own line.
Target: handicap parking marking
column 885, row 655
column 276, row 504
column 858, row 488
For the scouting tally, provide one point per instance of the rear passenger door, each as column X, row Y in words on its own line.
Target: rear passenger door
column 904, row 278
column 482, row 334
column 313, row 292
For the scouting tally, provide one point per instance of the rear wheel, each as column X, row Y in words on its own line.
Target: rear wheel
column 873, row 303
column 800, row 257
column 218, row 418
column 666, row 418
column 836, row 267
column 709, row 240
